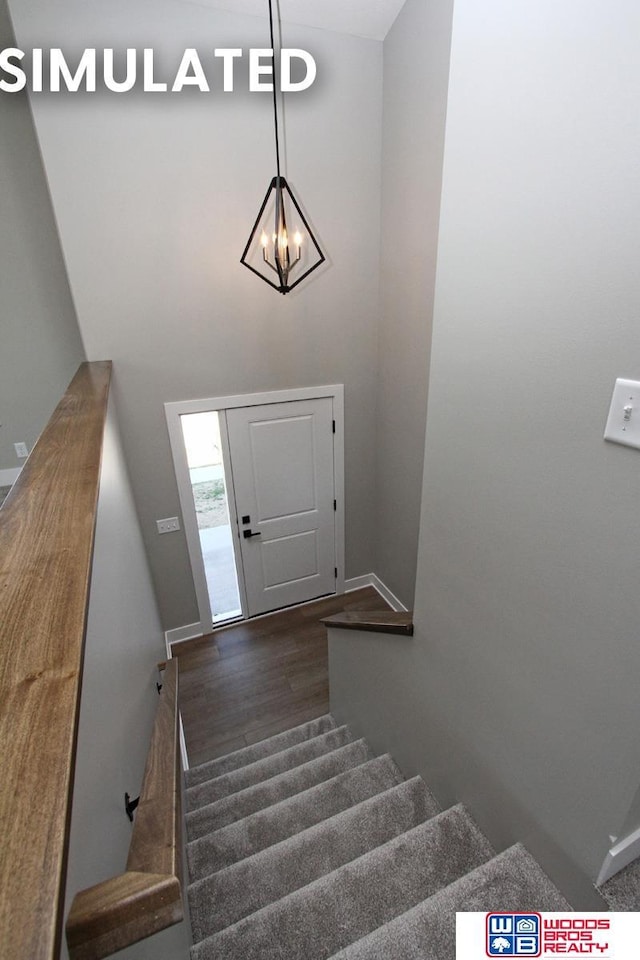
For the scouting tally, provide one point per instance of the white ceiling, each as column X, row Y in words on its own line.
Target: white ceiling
column 363, row 18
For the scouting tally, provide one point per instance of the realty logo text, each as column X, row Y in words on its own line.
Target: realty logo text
column 530, row 935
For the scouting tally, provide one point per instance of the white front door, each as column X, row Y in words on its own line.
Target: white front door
column 283, row 475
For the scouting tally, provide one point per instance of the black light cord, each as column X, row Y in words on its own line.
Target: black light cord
column 275, row 95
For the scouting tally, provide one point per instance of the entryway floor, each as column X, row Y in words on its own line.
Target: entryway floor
column 246, row 682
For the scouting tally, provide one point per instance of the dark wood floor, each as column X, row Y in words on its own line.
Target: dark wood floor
column 247, row 682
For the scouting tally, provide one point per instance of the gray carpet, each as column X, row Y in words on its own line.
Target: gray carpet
column 622, row 892
column 3, row 494
column 267, row 768
column 261, row 795
column 231, row 894
column 258, row 751
column 512, row 879
column 306, row 846
column 267, row 827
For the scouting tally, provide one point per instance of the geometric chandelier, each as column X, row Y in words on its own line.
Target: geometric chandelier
column 281, row 248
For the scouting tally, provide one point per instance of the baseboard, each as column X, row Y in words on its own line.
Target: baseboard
column 8, row 477
column 189, row 632
column 373, row 580
column 620, row 856
column 192, row 630
column 183, row 745
column 357, row 583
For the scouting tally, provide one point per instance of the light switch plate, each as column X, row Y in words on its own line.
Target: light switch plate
column 623, row 422
column 169, row 525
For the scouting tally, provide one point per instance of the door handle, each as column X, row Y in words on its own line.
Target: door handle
column 247, row 534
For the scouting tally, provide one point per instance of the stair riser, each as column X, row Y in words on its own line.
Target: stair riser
column 258, row 751
column 511, row 881
column 267, row 827
column 324, row 917
column 226, row 897
column 266, row 769
column 230, row 809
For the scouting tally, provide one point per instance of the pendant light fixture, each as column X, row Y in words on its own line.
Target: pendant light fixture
column 281, row 248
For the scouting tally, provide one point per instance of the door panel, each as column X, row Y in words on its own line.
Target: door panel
column 282, row 453
column 290, row 558
column 282, row 462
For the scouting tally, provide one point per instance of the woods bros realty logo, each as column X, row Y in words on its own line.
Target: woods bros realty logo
column 53, row 71
column 532, row 935
column 612, row 936
column 513, row 935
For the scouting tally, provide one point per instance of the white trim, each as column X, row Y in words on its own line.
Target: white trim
column 178, row 407
column 357, row 583
column 620, row 856
column 9, row 476
column 373, row 580
column 189, row 632
column 338, row 485
column 387, row 595
column 189, row 519
column 231, row 506
column 193, row 630
column 261, row 616
column 183, row 744
column 175, row 409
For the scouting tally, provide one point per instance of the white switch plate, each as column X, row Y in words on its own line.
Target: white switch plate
column 623, row 423
column 170, row 525
column 21, row 450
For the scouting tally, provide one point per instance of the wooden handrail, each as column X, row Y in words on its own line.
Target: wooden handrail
column 46, row 547
column 376, row 621
column 147, row 897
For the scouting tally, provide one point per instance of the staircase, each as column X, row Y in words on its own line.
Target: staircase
column 308, row 846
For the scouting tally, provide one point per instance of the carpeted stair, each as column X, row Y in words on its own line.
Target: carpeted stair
column 308, row 846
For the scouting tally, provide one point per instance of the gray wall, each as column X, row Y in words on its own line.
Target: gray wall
column 518, row 693
column 416, row 64
column 124, row 644
column 155, row 197
column 40, row 346
column 528, row 602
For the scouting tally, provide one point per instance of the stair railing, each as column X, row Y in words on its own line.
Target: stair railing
column 46, row 548
column 147, row 897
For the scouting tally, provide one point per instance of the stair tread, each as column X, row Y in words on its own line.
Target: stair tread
column 260, row 770
column 222, row 812
column 345, row 905
column 263, row 829
column 258, row 751
column 511, row 881
column 219, row 900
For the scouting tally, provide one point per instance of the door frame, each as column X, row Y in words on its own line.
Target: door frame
column 175, row 409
